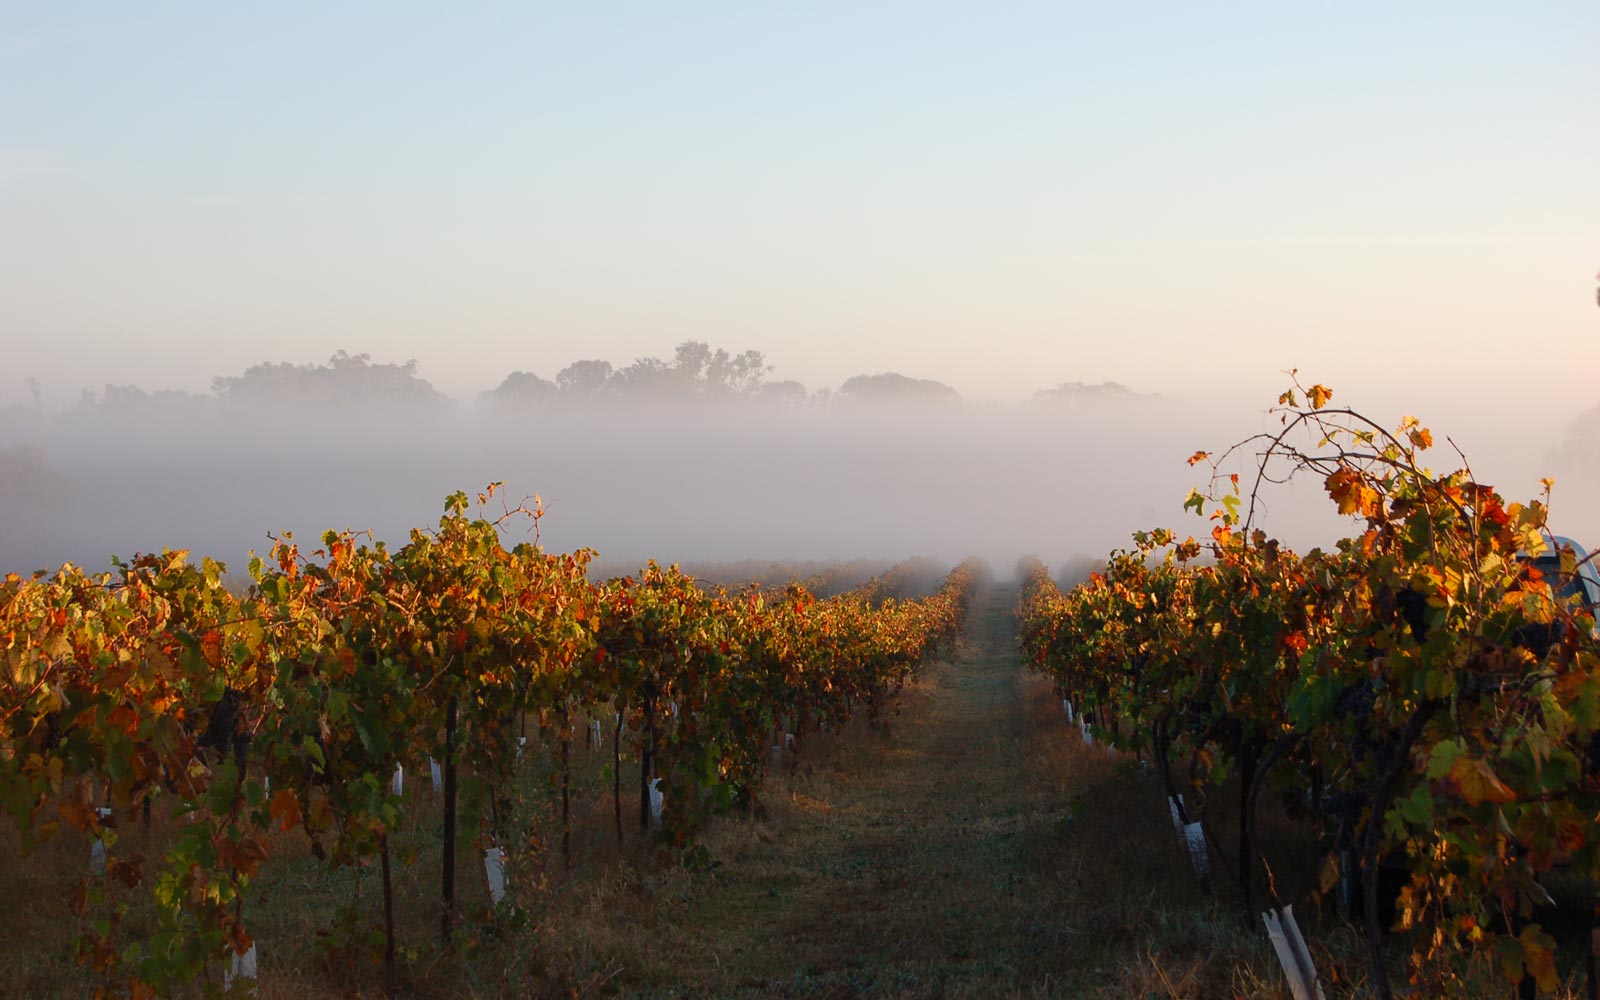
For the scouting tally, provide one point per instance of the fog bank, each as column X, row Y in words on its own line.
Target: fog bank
column 707, row 480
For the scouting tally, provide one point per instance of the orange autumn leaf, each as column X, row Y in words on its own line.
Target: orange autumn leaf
column 245, row 856
column 286, row 807
column 1476, row 782
column 211, row 648
column 1349, row 490
column 76, row 811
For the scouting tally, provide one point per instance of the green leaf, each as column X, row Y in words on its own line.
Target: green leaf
column 1442, row 757
column 1418, row 809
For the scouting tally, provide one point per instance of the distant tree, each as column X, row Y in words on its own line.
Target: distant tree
column 892, row 387
column 788, row 392
column 1072, row 394
column 27, row 483
column 20, row 416
column 718, row 373
column 1577, row 457
column 584, row 377
column 695, row 371
column 523, row 387
column 132, row 401
column 346, row 380
column 1078, row 569
column 691, row 359
column 652, row 377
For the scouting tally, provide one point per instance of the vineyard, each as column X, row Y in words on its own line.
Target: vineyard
column 155, row 694
column 1417, row 696
column 1400, row 734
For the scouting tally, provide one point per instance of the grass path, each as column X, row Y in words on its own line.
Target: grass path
column 943, row 858
column 913, row 871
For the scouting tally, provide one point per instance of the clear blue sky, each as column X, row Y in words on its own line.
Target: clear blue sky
column 1185, row 197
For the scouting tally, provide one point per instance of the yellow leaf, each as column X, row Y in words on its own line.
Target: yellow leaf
column 1319, row 396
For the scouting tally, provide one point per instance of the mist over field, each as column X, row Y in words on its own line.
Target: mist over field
column 680, row 461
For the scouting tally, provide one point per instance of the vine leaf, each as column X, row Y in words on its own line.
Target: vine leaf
column 1349, row 490
column 1534, row 951
column 1476, row 782
column 285, row 807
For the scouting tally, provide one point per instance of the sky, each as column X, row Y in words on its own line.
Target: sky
column 1399, row 199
